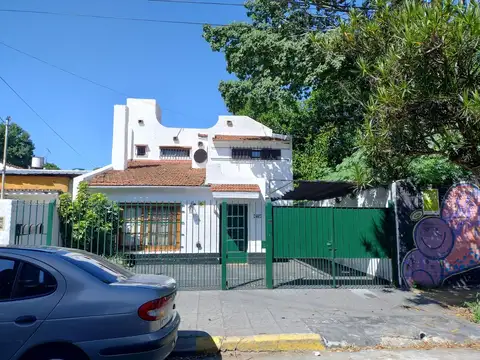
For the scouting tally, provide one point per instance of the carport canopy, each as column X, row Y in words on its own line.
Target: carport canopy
column 318, row 190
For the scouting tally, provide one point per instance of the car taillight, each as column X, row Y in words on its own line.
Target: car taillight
column 155, row 309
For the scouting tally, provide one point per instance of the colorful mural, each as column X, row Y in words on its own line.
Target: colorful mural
column 447, row 245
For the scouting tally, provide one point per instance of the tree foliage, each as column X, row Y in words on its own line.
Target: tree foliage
column 90, row 222
column 421, row 61
column 367, row 95
column 51, row 166
column 281, row 79
column 19, row 145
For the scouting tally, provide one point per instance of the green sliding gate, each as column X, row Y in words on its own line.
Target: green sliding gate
column 329, row 247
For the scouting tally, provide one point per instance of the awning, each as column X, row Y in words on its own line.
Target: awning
column 318, row 190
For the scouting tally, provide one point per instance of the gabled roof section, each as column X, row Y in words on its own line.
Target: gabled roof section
column 152, row 173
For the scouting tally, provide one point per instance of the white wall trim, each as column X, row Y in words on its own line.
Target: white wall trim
column 86, row 177
column 236, row 195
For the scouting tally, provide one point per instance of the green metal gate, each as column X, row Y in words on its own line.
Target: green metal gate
column 330, row 247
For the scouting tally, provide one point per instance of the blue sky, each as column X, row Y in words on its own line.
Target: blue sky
column 170, row 63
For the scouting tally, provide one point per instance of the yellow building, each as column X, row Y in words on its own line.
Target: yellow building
column 38, row 184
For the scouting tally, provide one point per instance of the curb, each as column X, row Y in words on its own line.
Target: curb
column 258, row 343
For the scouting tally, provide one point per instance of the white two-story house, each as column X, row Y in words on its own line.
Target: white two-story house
column 171, row 182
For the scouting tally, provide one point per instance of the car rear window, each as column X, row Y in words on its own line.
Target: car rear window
column 97, row 266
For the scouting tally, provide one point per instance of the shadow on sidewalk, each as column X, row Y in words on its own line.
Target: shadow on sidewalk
column 444, row 297
column 193, row 343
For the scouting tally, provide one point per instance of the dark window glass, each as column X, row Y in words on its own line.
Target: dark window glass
column 241, row 153
column 258, row 154
column 7, row 277
column 271, row 154
column 33, row 281
column 174, row 153
column 97, row 266
column 141, row 150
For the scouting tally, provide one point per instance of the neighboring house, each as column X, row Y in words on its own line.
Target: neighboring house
column 38, row 184
column 29, row 207
column 171, row 182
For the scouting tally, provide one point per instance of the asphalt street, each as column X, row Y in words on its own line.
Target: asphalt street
column 439, row 354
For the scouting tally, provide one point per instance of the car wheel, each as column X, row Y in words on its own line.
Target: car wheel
column 62, row 353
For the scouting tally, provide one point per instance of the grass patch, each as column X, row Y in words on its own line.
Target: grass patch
column 474, row 308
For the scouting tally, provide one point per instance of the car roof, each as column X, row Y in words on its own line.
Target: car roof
column 39, row 249
column 43, row 249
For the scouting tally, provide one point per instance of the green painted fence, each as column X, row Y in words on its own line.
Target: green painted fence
column 330, row 247
column 311, row 232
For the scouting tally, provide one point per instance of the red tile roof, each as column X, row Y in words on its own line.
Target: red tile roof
column 244, row 138
column 234, row 188
column 152, row 173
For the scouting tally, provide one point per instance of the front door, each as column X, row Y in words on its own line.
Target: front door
column 237, row 233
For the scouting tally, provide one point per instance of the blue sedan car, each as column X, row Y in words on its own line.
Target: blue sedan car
column 64, row 304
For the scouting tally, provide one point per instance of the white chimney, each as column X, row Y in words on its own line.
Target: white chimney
column 37, row 162
column 120, row 137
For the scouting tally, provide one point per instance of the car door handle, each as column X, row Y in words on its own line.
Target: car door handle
column 25, row 320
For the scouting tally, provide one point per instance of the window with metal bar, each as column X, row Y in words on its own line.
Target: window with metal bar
column 174, row 153
column 256, row 154
column 152, row 227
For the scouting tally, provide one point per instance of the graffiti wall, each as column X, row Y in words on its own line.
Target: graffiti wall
column 446, row 247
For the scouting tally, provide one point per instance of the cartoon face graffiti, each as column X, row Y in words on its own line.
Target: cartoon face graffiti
column 433, row 238
column 417, row 269
column 452, row 241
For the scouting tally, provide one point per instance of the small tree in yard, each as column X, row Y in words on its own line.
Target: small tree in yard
column 90, row 222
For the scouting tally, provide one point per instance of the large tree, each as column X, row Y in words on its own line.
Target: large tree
column 421, row 62
column 286, row 80
column 371, row 95
column 19, row 146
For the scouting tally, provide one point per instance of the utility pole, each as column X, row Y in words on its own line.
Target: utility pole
column 5, row 143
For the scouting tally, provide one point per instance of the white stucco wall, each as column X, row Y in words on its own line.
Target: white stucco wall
column 200, row 215
column 370, row 198
column 6, row 211
column 139, row 123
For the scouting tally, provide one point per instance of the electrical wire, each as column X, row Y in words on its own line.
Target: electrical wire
column 62, row 69
column 104, row 17
column 198, row 2
column 38, row 115
column 77, row 75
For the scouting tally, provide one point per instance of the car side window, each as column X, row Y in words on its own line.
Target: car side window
column 8, row 270
column 33, row 281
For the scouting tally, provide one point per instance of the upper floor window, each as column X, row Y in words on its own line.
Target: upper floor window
column 141, row 150
column 256, row 154
column 174, row 153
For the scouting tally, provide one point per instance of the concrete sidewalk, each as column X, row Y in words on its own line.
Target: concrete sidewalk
column 339, row 317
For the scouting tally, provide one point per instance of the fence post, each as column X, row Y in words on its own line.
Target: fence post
column 269, row 244
column 51, row 208
column 223, row 239
column 392, row 236
column 334, row 265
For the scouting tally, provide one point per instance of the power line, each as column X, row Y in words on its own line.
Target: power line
column 38, row 115
column 77, row 75
column 198, row 2
column 38, row 12
column 62, row 69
